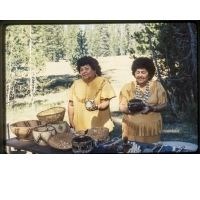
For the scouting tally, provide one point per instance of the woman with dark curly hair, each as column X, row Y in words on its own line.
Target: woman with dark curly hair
column 141, row 101
column 89, row 97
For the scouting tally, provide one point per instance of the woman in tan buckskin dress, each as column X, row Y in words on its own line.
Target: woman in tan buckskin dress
column 146, row 125
column 89, row 97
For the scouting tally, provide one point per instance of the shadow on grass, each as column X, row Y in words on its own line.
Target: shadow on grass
column 117, row 131
column 117, row 114
column 59, row 81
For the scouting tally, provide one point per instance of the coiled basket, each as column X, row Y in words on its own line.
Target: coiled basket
column 52, row 115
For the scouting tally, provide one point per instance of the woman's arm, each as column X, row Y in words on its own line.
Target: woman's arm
column 158, row 108
column 71, row 113
column 162, row 101
column 103, row 105
column 124, row 97
column 162, row 98
column 154, row 108
column 124, row 108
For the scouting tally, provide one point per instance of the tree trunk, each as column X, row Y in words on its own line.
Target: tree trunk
column 154, row 57
column 193, row 42
column 30, row 65
column 193, row 46
column 8, row 93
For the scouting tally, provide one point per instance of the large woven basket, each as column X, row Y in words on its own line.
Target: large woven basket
column 99, row 133
column 23, row 129
column 52, row 115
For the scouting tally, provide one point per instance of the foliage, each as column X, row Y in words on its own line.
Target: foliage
column 81, row 48
column 53, row 42
column 173, row 49
column 24, row 57
column 71, row 34
column 104, row 40
column 93, row 35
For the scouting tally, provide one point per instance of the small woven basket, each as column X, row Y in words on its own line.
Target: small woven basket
column 61, row 126
column 82, row 144
column 136, row 105
column 52, row 115
column 62, row 141
column 42, row 134
column 99, row 134
column 23, row 129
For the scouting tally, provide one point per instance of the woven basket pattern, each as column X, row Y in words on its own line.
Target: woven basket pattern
column 23, row 129
column 82, row 144
column 42, row 134
column 52, row 115
column 99, row 133
column 61, row 141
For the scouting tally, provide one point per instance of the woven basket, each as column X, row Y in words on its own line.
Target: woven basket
column 61, row 127
column 136, row 105
column 23, row 129
column 62, row 141
column 82, row 144
column 42, row 134
column 99, row 133
column 52, row 115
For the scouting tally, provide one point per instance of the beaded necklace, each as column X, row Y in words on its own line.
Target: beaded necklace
column 143, row 96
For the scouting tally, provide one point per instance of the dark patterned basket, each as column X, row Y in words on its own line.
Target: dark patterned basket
column 82, row 144
column 136, row 105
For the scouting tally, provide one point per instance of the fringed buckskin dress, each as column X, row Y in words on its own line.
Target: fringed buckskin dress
column 143, row 127
column 97, row 90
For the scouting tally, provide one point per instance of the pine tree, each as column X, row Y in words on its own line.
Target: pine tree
column 81, row 49
column 104, row 40
column 93, row 38
column 71, row 33
column 54, row 40
column 114, row 40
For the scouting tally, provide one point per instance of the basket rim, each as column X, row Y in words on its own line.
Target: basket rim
column 105, row 128
column 35, row 129
column 14, row 124
column 51, row 141
column 25, row 121
column 105, row 135
column 39, row 114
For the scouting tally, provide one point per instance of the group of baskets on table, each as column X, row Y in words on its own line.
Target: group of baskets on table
column 50, row 129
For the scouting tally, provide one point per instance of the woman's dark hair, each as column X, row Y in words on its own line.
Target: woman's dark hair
column 88, row 60
column 146, row 63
